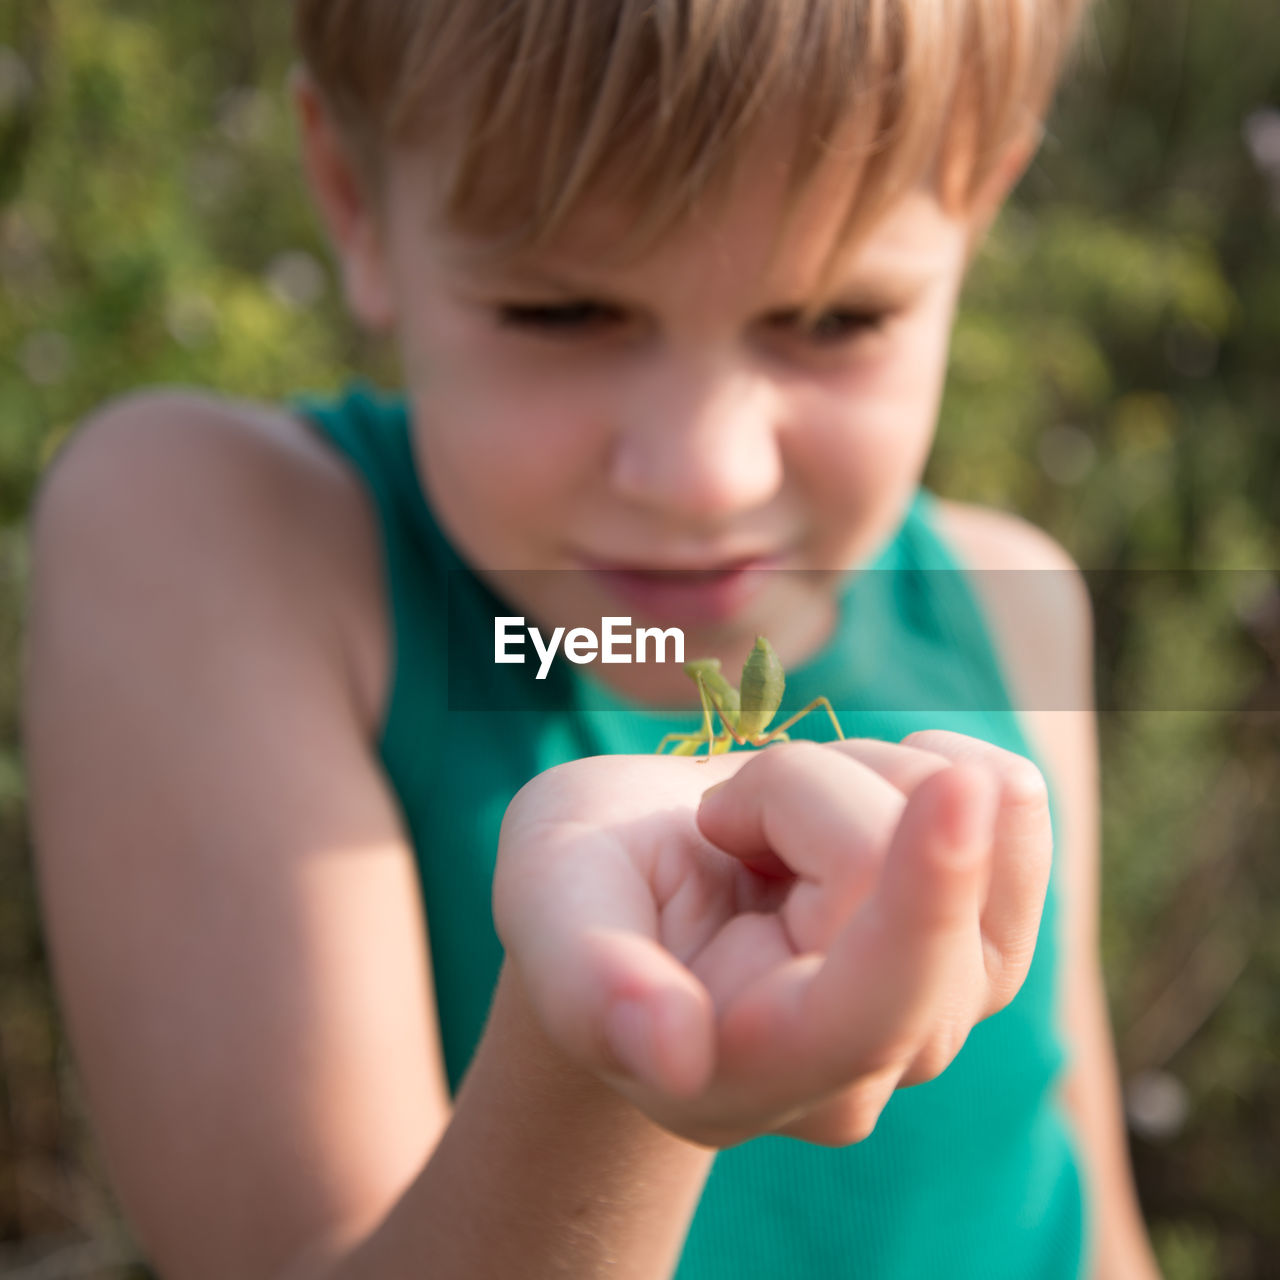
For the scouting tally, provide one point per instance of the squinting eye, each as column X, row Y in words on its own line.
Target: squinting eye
column 834, row 327
column 566, row 318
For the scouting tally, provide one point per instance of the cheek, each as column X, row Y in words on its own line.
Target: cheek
column 890, row 415
column 502, row 459
column 914, row 376
column 859, row 436
column 485, row 390
column 478, row 398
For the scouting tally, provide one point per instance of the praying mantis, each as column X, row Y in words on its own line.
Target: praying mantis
column 745, row 712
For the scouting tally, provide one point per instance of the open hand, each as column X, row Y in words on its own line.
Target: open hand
column 779, row 953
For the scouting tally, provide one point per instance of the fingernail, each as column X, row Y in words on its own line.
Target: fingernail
column 716, row 787
column 629, row 1031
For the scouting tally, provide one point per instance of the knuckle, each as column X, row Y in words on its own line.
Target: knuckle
column 1024, row 784
column 786, row 761
column 1006, row 971
column 1020, row 779
column 941, row 1049
column 929, row 1064
column 796, row 752
column 1001, row 984
column 943, row 742
column 852, row 1120
column 1000, row 994
column 849, row 1132
column 880, row 1066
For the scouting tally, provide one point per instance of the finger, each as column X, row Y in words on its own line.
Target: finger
column 849, row 1116
column 825, row 815
column 885, row 979
column 579, row 920
column 1021, row 859
column 903, row 766
column 742, row 952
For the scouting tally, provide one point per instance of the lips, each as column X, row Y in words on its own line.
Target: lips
column 684, row 575
column 707, row 566
column 686, row 596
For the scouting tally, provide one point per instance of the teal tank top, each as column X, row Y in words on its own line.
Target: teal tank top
column 974, row 1175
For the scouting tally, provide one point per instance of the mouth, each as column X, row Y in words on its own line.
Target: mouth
column 688, row 569
column 685, row 575
column 690, row 595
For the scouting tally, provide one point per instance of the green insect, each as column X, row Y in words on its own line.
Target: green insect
column 745, row 713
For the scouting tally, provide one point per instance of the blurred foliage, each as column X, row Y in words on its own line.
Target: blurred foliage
column 1115, row 378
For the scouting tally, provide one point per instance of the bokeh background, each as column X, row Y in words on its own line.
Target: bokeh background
column 1115, row 377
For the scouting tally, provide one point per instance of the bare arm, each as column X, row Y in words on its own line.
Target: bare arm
column 1045, row 627
column 233, row 917
column 1091, row 1089
column 543, row 1171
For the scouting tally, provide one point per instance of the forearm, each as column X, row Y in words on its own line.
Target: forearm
column 1122, row 1249
column 1092, row 1095
column 542, row 1171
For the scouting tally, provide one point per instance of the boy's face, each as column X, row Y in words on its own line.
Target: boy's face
column 671, row 414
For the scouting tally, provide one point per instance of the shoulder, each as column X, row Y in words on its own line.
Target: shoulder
column 207, row 487
column 1037, row 607
column 993, row 539
column 1030, row 587
column 158, row 426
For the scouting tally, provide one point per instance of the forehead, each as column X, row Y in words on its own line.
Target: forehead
column 736, row 240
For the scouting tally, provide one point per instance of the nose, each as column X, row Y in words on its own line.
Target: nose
column 698, row 440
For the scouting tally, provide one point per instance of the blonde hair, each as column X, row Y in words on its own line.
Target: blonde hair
column 541, row 105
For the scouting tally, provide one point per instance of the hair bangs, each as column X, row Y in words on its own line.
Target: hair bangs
column 534, row 110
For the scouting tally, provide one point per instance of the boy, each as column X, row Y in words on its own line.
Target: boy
column 672, row 286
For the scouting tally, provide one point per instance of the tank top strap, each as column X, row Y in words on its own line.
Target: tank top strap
column 944, row 600
column 911, row 638
column 370, row 429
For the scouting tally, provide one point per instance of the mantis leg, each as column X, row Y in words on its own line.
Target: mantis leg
column 716, row 744
column 786, row 724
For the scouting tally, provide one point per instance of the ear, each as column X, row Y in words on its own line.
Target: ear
column 351, row 218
